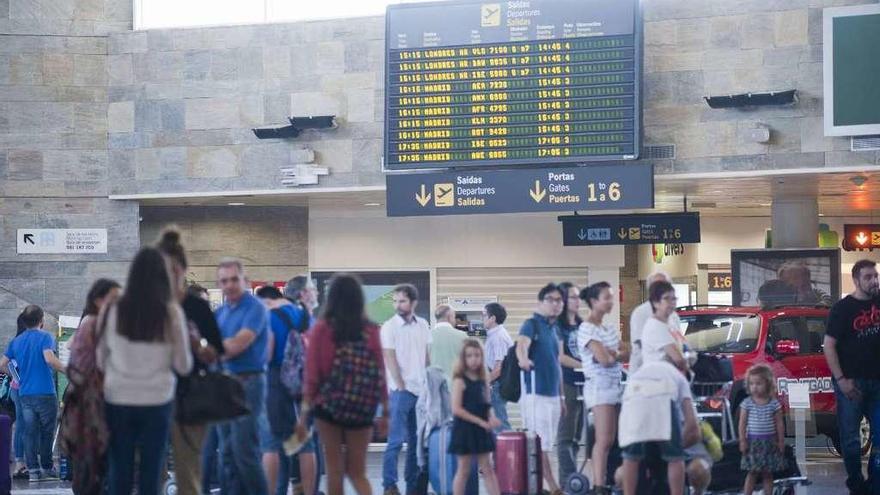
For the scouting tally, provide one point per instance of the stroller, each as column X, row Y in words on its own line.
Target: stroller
column 711, row 386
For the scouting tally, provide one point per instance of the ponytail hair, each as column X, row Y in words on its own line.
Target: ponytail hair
column 169, row 244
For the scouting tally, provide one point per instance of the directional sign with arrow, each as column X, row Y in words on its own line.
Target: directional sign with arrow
column 658, row 228
column 423, row 197
column 589, row 188
column 61, row 241
column 537, row 193
column 864, row 236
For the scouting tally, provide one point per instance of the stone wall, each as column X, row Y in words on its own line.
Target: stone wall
column 55, row 169
column 272, row 242
column 182, row 102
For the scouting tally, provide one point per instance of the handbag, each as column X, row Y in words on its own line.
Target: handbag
column 208, row 397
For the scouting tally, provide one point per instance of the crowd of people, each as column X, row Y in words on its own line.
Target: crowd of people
column 263, row 392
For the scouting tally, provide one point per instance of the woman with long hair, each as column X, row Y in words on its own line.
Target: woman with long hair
column 84, row 436
column 144, row 343
column 603, row 370
column 344, row 384
column 569, row 357
column 206, row 344
column 84, row 341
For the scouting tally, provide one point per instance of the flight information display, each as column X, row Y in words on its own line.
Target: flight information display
column 511, row 83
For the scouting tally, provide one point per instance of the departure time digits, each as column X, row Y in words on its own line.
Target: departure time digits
column 514, row 101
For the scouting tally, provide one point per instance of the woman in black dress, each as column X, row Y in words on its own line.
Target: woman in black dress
column 474, row 418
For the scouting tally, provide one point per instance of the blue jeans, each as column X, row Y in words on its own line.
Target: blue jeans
column 402, row 428
column 499, row 405
column 141, row 428
column 241, row 456
column 211, row 459
column 40, row 413
column 19, row 435
column 849, row 418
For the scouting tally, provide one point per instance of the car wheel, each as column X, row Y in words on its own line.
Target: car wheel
column 864, row 434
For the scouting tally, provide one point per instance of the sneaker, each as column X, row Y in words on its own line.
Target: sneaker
column 34, row 476
column 21, row 474
column 392, row 490
column 49, row 475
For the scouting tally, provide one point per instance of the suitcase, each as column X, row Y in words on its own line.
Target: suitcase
column 518, row 459
column 727, row 475
column 442, row 465
column 5, row 445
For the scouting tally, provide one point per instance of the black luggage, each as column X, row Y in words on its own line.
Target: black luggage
column 727, row 475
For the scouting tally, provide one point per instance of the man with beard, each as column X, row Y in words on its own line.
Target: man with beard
column 852, row 344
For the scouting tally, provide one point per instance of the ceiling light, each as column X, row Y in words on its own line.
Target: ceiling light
column 372, row 204
column 766, row 204
column 236, row 204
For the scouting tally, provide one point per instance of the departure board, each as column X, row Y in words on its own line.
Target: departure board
column 522, row 82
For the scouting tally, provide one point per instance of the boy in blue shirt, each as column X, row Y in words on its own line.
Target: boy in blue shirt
column 34, row 354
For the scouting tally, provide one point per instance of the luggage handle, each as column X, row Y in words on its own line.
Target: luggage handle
column 522, row 378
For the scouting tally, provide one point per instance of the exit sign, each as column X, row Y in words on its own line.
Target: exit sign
column 861, row 236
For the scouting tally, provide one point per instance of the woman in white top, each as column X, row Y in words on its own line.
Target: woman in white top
column 602, row 359
column 659, row 339
column 143, row 343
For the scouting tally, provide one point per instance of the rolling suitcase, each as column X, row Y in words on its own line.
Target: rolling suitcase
column 443, row 465
column 5, row 445
column 518, row 458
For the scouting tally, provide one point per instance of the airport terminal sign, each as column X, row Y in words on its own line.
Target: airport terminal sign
column 62, row 241
column 522, row 82
column 658, row 228
column 593, row 188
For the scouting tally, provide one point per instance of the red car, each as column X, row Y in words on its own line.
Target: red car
column 789, row 339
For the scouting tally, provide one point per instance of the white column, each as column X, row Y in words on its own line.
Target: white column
column 795, row 222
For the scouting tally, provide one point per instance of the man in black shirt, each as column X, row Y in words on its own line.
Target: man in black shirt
column 852, row 345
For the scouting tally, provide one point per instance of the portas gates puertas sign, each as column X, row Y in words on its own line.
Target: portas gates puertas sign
column 659, row 228
column 596, row 187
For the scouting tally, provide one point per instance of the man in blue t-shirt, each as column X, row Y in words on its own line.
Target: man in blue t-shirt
column 277, row 423
column 537, row 349
column 244, row 323
column 33, row 355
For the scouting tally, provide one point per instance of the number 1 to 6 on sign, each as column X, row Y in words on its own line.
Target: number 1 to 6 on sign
column 602, row 191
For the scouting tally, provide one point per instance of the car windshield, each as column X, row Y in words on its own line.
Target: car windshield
column 722, row 332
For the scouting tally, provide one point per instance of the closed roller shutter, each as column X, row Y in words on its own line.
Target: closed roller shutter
column 516, row 289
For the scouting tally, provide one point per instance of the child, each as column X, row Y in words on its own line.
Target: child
column 761, row 434
column 474, row 418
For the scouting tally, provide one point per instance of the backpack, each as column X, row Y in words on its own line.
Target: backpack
column 510, row 382
column 293, row 363
column 511, row 387
column 355, row 387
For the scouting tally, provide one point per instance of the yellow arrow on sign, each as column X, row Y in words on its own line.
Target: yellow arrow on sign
column 537, row 193
column 424, row 197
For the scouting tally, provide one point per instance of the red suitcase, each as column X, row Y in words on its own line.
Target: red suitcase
column 518, row 460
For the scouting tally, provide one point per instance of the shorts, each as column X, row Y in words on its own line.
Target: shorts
column 669, row 450
column 698, row 453
column 602, row 391
column 271, row 442
column 543, row 418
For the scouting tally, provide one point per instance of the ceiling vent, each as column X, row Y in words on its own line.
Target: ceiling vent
column 865, row 143
column 658, row 152
column 703, row 204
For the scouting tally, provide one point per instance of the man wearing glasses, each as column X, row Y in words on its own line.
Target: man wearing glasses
column 537, row 349
column 243, row 322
